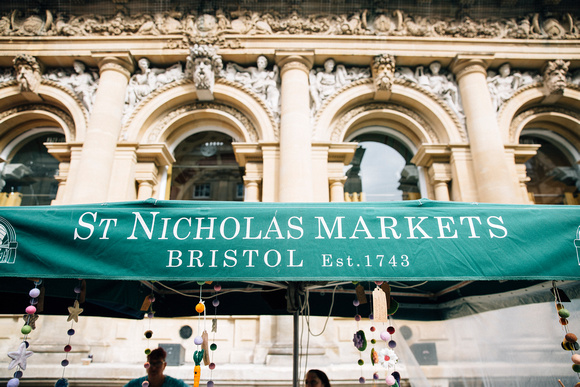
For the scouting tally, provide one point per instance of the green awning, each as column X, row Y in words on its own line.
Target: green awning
column 230, row 241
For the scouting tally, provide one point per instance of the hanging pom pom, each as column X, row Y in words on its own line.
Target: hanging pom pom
column 148, row 334
column 145, row 383
column 217, row 287
column 61, row 383
column 210, row 383
column 391, row 380
column 33, row 293
column 385, row 336
column 361, row 380
column 200, row 307
column 215, row 302
column 13, row 383
column 198, row 340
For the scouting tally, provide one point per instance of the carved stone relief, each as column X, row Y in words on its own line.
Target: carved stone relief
column 28, row 73
column 212, row 28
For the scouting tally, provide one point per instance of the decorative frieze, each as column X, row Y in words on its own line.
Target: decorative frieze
column 210, row 28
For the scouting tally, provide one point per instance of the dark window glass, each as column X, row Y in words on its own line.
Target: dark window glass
column 553, row 178
column 206, row 169
column 32, row 170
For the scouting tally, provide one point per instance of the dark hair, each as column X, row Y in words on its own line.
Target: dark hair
column 157, row 353
column 322, row 376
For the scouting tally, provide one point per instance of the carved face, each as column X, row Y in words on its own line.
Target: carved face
column 262, row 62
column 203, row 75
column 556, row 80
column 329, row 65
column 26, row 78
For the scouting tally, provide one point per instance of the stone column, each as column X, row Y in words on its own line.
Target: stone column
column 295, row 128
column 98, row 152
column 491, row 172
column 440, row 175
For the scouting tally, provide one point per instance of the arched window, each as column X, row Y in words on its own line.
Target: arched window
column 553, row 171
column 381, row 170
column 29, row 172
column 206, row 169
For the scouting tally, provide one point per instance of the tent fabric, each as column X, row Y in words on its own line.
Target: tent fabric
column 178, row 240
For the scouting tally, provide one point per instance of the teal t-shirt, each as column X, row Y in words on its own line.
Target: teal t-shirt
column 168, row 382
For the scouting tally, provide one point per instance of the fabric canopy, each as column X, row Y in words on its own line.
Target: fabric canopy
column 184, row 240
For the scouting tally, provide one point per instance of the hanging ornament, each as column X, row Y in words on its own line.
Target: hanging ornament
column 74, row 311
column 570, row 341
column 197, row 358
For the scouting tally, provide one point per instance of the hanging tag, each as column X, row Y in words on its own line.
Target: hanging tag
column 40, row 298
column 360, row 294
column 83, row 294
column 387, row 289
column 146, row 304
column 380, row 305
column 205, row 347
column 214, row 324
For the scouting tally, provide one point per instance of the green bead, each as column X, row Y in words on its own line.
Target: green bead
column 373, row 341
column 26, row 329
column 564, row 313
column 213, row 347
column 147, row 351
column 576, row 367
column 361, row 362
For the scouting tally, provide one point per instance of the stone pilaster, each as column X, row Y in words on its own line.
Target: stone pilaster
column 295, row 128
column 98, row 152
column 491, row 172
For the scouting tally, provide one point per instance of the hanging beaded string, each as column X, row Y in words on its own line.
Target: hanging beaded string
column 20, row 356
column 570, row 342
column 149, row 333
column 199, row 353
column 215, row 302
column 74, row 312
column 359, row 337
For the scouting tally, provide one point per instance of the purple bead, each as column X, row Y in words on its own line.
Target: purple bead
column 356, row 302
column 64, row 363
column 392, row 344
column 70, row 332
column 215, row 302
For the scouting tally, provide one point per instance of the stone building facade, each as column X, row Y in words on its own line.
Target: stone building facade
column 121, row 100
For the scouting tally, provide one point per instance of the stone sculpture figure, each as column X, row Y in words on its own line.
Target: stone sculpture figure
column 83, row 84
column 555, row 76
column 323, row 83
column 262, row 81
column 28, row 73
column 203, row 64
column 503, row 85
column 383, row 67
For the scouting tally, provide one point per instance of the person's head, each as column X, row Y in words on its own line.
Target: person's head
column 329, row 65
column 316, row 378
column 262, row 62
column 79, row 66
column 156, row 361
column 505, row 69
column 435, row 67
column 143, row 64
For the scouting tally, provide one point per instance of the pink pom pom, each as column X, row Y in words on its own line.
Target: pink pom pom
column 391, row 380
column 30, row 309
column 385, row 336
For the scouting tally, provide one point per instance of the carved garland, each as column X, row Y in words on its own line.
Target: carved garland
column 347, row 117
column 402, row 82
column 166, row 121
column 520, row 118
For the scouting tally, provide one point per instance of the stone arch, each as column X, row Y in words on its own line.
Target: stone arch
column 56, row 107
column 525, row 108
column 414, row 111
column 239, row 111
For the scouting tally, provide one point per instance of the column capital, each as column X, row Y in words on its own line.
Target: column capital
column 120, row 61
column 301, row 60
column 467, row 64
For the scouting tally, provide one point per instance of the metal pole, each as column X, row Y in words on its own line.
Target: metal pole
column 296, row 351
